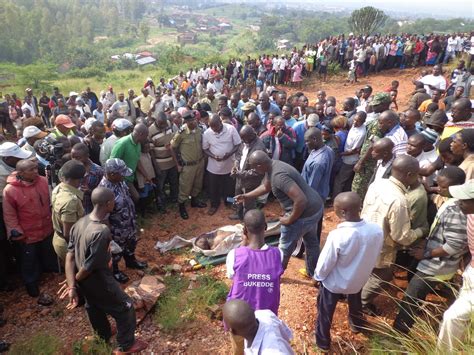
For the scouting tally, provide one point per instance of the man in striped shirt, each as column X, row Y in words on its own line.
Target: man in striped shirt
column 440, row 257
column 457, row 317
column 389, row 125
column 160, row 134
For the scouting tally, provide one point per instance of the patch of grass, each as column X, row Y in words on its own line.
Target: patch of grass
column 95, row 346
column 178, row 304
column 170, row 304
column 39, row 343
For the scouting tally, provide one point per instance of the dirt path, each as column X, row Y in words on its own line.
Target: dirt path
column 298, row 296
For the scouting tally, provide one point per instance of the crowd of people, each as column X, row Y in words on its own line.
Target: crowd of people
column 84, row 166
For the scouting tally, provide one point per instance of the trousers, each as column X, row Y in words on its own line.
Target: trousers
column 419, row 287
column 306, row 228
column 326, row 305
column 220, row 187
column 169, row 176
column 379, row 280
column 36, row 258
column 124, row 315
column 190, row 181
column 457, row 317
column 343, row 180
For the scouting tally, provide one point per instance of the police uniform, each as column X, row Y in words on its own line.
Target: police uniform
column 67, row 207
column 189, row 145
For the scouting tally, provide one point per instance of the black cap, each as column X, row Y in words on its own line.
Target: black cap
column 188, row 115
column 73, row 169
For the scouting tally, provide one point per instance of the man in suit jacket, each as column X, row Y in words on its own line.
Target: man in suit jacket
column 382, row 152
column 246, row 179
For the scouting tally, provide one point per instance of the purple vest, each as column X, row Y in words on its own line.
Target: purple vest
column 257, row 278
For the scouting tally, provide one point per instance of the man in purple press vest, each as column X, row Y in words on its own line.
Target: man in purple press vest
column 255, row 268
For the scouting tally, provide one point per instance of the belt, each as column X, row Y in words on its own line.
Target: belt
column 191, row 163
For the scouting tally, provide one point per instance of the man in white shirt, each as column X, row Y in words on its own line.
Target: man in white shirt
column 263, row 332
column 450, row 49
column 350, row 156
column 345, row 264
column 219, row 142
column 434, row 81
column 119, row 108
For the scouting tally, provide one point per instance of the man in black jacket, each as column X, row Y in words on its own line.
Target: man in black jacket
column 247, row 179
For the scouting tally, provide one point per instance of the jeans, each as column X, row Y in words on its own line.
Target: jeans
column 308, row 229
column 326, row 305
column 124, row 315
column 419, row 287
column 36, row 258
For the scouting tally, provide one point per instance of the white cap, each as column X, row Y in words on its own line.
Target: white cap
column 463, row 192
column 121, row 124
column 73, row 93
column 33, row 131
column 9, row 149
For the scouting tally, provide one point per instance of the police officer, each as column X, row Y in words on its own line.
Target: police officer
column 187, row 151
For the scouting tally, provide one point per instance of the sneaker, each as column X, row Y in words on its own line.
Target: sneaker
column 304, row 273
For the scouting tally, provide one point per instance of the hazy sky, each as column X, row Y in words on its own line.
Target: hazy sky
column 415, row 8
column 462, row 8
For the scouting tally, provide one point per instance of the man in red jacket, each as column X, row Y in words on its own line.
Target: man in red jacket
column 27, row 214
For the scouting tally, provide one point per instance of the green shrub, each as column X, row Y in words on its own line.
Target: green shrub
column 334, row 68
column 89, row 72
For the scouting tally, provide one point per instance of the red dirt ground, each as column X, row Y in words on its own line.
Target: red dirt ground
column 298, row 296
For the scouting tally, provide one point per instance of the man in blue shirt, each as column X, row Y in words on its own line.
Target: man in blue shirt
column 265, row 108
column 317, row 168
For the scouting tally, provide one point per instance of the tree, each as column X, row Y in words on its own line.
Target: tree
column 144, row 30
column 35, row 75
column 367, row 20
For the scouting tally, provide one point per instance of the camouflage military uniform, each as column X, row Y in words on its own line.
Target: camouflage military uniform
column 360, row 184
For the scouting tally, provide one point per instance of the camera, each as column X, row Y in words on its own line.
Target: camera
column 51, row 149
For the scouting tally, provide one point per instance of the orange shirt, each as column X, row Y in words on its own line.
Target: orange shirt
column 424, row 105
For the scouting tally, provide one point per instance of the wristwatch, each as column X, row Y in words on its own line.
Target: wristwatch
column 427, row 254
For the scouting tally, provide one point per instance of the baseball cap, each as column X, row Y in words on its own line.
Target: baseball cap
column 33, row 131
column 10, row 149
column 249, row 106
column 312, row 120
column 117, row 166
column 121, row 124
column 64, row 120
column 461, row 192
column 73, row 93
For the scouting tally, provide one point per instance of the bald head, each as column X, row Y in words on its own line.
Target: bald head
column 260, row 158
column 382, row 149
column 405, row 168
column 347, row 206
column 101, row 195
column 461, row 109
column 239, row 317
column 415, row 145
column 215, row 123
column 254, row 221
column 387, row 120
column 247, row 133
column 140, row 133
column 313, row 138
column 25, row 164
